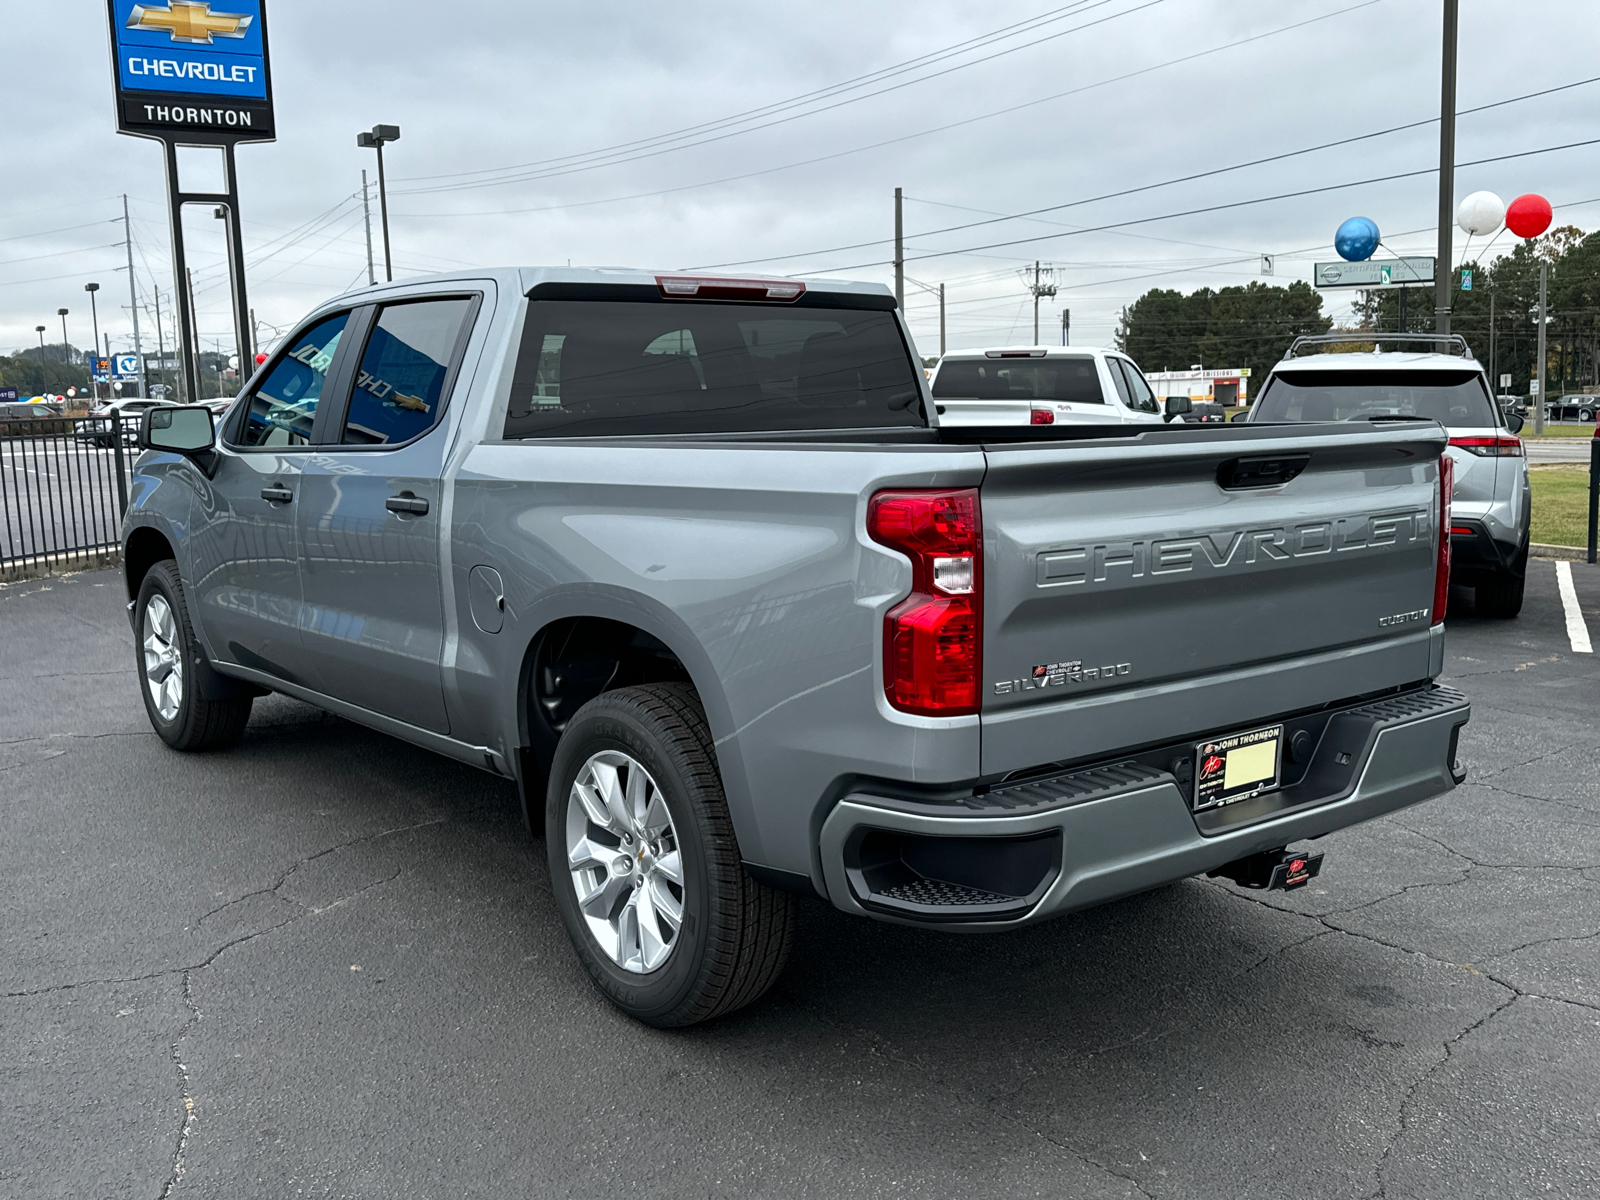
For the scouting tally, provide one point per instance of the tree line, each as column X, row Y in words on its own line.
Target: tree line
column 1252, row 326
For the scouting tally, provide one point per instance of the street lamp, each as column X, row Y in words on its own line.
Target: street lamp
column 375, row 140
column 39, row 329
column 94, row 316
column 62, row 313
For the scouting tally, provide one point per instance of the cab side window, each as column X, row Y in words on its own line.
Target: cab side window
column 1141, row 398
column 283, row 408
column 399, row 386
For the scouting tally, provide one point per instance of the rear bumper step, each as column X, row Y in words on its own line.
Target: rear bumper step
column 1026, row 851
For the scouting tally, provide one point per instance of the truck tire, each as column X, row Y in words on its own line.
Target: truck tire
column 167, row 654
column 1501, row 596
column 645, row 866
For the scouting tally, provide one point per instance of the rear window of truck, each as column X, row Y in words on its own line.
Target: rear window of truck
column 1452, row 398
column 1066, row 379
column 625, row 367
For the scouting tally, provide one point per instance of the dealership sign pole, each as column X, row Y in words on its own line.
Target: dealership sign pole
column 188, row 75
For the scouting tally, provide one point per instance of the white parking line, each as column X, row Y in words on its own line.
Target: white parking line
column 1577, row 631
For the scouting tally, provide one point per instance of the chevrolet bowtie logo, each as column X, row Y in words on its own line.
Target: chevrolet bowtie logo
column 188, row 21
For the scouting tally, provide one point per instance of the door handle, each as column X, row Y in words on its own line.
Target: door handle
column 277, row 494
column 405, row 502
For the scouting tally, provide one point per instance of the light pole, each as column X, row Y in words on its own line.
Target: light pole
column 376, row 140
column 94, row 317
column 39, row 329
column 62, row 313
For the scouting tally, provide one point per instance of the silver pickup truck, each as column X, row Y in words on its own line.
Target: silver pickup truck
column 691, row 561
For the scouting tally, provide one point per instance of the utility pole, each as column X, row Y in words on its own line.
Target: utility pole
column 366, row 212
column 161, row 343
column 899, row 254
column 941, row 320
column 1443, row 275
column 1494, row 380
column 1039, row 288
column 1066, row 324
column 255, row 330
column 66, row 350
column 194, row 316
column 1538, row 409
column 133, row 297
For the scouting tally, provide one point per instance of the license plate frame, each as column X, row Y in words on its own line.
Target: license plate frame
column 1211, row 788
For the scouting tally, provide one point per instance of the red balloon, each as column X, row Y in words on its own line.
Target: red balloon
column 1529, row 216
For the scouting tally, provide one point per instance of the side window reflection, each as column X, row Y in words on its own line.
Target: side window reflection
column 399, row 387
column 284, row 407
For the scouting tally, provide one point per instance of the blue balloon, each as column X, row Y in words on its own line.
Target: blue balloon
column 1356, row 239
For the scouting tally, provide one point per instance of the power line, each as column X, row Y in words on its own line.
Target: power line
column 807, row 162
column 615, row 160
column 1255, row 162
column 1210, row 208
column 870, row 77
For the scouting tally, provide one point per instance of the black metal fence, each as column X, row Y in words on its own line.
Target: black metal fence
column 63, row 490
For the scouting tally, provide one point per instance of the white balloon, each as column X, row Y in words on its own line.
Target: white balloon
column 1481, row 213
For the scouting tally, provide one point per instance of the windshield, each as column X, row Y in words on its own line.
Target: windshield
column 1072, row 379
column 1452, row 398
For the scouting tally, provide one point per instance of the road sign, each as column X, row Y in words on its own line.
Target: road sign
column 1505, row 382
column 125, row 368
column 186, row 67
column 1267, row 263
column 1533, row 387
column 1395, row 272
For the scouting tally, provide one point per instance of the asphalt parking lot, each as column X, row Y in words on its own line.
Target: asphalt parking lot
column 325, row 963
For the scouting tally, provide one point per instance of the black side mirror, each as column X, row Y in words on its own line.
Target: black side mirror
column 1176, row 406
column 1242, row 415
column 1514, row 422
column 188, row 430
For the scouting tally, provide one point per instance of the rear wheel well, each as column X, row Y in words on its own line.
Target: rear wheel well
column 568, row 664
column 144, row 549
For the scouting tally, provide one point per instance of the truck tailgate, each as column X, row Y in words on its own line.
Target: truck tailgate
column 1155, row 588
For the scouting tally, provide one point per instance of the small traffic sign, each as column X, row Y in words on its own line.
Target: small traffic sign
column 1505, row 381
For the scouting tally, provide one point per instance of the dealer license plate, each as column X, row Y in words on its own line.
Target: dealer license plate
column 1234, row 768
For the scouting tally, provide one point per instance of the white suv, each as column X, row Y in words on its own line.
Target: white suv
column 1045, row 385
column 1490, row 506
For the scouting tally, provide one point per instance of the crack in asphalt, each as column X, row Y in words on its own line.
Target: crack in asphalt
column 1498, row 866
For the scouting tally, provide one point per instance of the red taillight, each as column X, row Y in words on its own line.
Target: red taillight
column 1441, row 571
column 933, row 639
column 1490, row 447
column 716, row 287
column 1042, row 416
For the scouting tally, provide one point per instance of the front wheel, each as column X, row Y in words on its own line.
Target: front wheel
column 646, row 868
column 167, row 652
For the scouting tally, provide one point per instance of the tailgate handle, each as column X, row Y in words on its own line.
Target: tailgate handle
column 1267, row 471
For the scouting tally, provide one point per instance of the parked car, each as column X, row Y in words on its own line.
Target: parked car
column 1577, row 407
column 1206, row 413
column 694, row 561
column 96, row 428
column 1491, row 507
column 1044, row 385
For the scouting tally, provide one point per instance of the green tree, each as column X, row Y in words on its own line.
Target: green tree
column 1249, row 326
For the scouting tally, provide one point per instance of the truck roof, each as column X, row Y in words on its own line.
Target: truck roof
column 524, row 279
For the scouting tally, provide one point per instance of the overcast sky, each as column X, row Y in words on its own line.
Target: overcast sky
column 1100, row 100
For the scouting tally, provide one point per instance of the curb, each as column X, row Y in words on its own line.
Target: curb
column 1567, row 553
column 37, row 566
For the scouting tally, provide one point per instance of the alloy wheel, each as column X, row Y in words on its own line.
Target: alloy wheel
column 163, row 657
column 622, row 852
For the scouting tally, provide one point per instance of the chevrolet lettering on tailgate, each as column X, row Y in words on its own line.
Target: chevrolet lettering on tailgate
column 1219, row 550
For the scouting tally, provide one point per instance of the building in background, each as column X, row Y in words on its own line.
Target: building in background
column 1228, row 386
